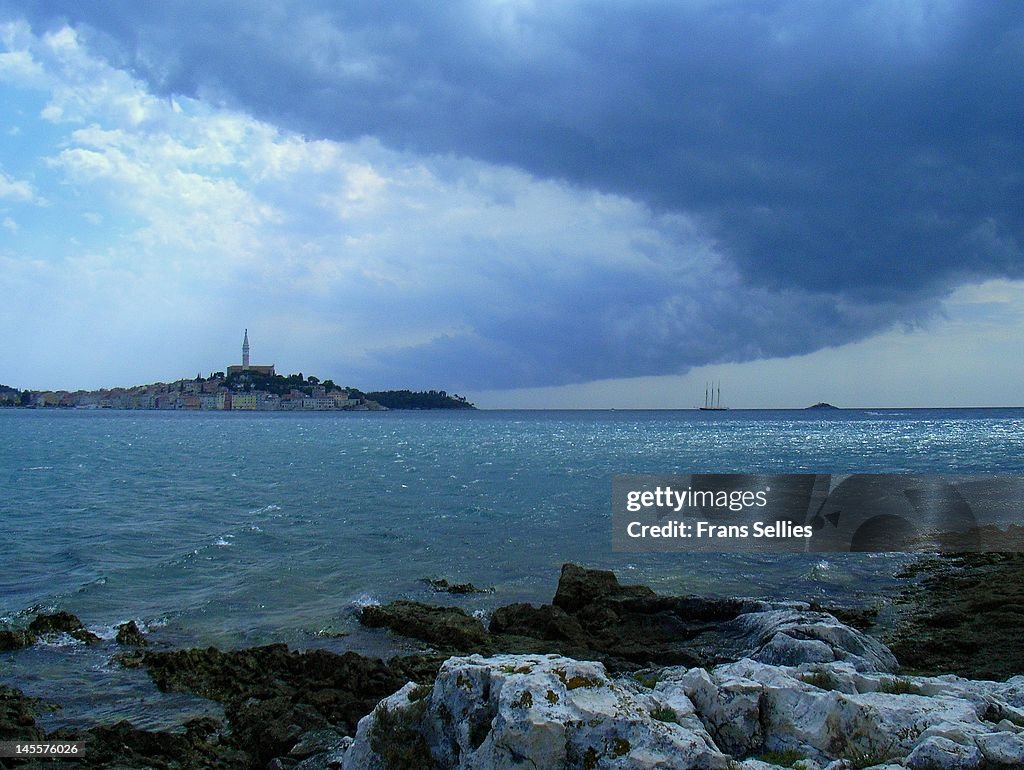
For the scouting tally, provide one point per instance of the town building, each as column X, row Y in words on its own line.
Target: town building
column 243, row 401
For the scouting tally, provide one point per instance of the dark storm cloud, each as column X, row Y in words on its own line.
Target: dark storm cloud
column 867, row 153
column 613, row 325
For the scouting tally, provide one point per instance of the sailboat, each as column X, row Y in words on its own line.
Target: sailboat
column 711, row 404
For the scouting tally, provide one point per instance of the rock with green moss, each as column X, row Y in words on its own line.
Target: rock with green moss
column 274, row 697
column 629, row 627
column 15, row 639
column 833, row 714
column 514, row 711
column 130, row 635
column 62, row 623
column 18, row 716
column 444, row 627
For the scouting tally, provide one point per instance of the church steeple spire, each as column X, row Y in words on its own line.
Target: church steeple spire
column 245, row 350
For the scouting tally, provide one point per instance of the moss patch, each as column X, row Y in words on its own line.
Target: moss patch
column 664, row 714
column 619, row 748
column 898, row 686
column 419, row 692
column 823, row 680
column 396, row 737
column 647, row 679
column 524, row 701
column 575, row 682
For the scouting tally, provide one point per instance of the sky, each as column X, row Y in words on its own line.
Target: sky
column 576, row 204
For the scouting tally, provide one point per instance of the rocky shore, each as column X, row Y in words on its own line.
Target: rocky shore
column 965, row 616
column 606, row 676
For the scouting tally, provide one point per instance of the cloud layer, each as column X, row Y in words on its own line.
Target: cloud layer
column 500, row 194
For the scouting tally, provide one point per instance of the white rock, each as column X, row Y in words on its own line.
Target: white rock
column 824, row 724
column 785, row 650
column 729, row 707
column 506, row 712
column 787, row 637
column 806, row 764
column 515, row 711
column 360, row 755
column 937, row 753
column 1007, row 726
column 1002, row 748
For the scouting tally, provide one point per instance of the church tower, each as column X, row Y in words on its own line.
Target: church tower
column 265, row 369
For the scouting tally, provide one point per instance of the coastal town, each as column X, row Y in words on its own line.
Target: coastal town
column 240, row 387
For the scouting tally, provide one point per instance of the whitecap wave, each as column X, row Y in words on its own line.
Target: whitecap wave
column 484, row 616
column 109, row 632
column 59, row 640
column 106, row 633
column 820, row 569
column 264, row 509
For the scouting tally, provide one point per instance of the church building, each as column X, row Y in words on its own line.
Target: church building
column 267, row 369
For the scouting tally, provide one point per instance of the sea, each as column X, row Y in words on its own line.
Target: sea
column 241, row 528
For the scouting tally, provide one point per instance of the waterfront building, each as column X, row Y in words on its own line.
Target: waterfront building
column 243, row 401
column 340, row 398
column 270, row 401
column 310, row 402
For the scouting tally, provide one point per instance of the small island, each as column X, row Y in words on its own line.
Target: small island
column 822, row 405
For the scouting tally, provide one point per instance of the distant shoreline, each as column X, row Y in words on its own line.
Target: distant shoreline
column 742, row 410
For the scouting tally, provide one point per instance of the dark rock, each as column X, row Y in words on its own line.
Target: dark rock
column 62, row 623
column 421, row 669
column 965, row 616
column 18, row 716
column 272, row 696
column 445, row 627
column 16, row 639
column 627, row 626
column 578, row 587
column 443, row 586
column 594, row 617
column 282, row 763
column 630, row 627
column 861, row 618
column 202, row 745
column 546, row 622
column 129, row 635
column 271, row 726
column 317, row 742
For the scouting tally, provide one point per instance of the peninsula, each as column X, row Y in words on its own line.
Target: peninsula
column 245, row 386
